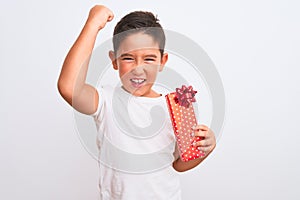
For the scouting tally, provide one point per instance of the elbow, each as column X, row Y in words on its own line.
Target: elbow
column 64, row 90
column 61, row 88
column 178, row 168
column 179, row 171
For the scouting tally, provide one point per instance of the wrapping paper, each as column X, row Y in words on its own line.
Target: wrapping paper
column 183, row 119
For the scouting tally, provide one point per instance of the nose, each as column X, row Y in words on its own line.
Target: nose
column 139, row 70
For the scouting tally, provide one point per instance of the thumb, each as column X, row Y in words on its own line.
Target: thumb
column 110, row 16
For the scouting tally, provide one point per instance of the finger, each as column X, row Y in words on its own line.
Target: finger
column 201, row 143
column 204, row 143
column 110, row 17
column 200, row 127
column 204, row 149
column 200, row 133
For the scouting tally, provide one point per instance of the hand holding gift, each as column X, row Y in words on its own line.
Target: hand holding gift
column 208, row 141
column 193, row 140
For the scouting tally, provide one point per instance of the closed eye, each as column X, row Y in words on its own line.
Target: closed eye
column 149, row 59
column 127, row 58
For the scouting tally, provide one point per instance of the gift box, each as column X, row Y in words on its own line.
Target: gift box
column 183, row 119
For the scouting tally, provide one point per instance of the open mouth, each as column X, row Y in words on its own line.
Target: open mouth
column 137, row 82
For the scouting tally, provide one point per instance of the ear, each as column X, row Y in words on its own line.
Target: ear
column 163, row 61
column 113, row 60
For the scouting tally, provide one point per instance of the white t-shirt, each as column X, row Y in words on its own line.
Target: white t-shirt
column 136, row 147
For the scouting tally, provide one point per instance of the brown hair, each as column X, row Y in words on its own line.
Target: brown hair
column 139, row 21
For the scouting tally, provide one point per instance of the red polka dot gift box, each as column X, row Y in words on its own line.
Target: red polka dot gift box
column 180, row 105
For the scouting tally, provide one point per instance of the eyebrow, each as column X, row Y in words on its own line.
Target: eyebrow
column 151, row 55
column 125, row 54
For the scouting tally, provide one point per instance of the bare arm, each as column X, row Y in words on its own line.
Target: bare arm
column 72, row 80
column 206, row 145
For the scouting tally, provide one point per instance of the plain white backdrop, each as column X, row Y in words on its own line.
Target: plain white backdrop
column 255, row 46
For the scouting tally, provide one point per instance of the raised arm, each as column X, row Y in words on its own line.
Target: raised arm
column 72, row 80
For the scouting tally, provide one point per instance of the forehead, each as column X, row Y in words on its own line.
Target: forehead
column 138, row 42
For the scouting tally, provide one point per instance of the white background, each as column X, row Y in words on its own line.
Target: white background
column 255, row 46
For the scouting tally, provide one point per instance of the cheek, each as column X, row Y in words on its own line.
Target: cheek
column 122, row 74
column 124, row 69
column 152, row 70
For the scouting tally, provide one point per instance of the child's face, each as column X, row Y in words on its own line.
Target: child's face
column 138, row 60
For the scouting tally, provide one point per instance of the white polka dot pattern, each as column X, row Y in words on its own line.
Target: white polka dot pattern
column 183, row 119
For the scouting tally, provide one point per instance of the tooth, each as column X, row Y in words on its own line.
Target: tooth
column 138, row 80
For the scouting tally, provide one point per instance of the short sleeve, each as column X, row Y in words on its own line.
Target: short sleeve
column 100, row 103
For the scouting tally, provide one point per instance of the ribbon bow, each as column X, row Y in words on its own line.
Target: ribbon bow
column 184, row 96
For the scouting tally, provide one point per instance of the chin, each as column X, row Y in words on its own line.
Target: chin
column 138, row 93
column 142, row 91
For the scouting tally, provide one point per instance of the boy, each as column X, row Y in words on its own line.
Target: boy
column 138, row 56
